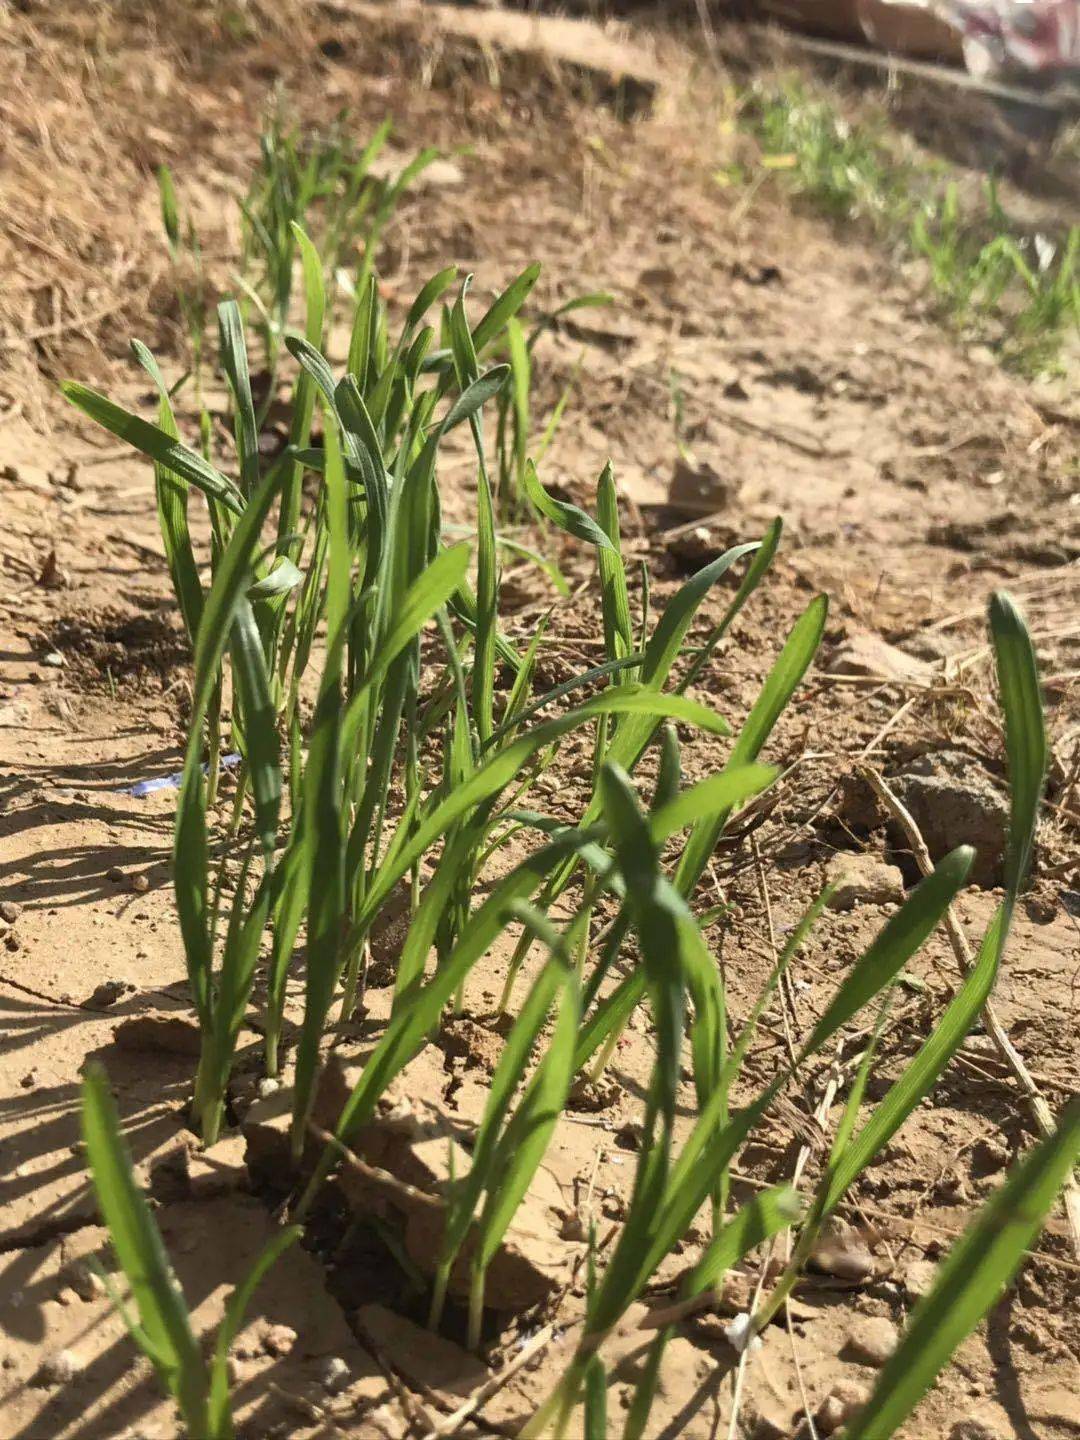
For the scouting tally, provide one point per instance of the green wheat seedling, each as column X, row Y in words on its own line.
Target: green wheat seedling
column 667, row 1195
column 161, row 1326
column 413, row 768
column 514, row 441
column 987, row 274
column 318, row 183
column 395, row 604
column 376, row 571
column 185, row 253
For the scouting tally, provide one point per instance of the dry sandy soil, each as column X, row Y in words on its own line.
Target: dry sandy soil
column 915, row 477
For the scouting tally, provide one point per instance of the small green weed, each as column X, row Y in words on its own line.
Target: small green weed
column 847, row 172
column 994, row 280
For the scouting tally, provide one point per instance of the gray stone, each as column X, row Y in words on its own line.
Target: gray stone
column 872, row 1339
column 918, row 1279
column 841, row 1404
column 863, row 880
column 952, row 799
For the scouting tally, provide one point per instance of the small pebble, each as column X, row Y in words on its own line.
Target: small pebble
column 334, row 1375
column 10, row 910
column 268, row 1086
column 108, row 993
column 992, row 1153
column 1042, row 909
column 872, row 1339
column 918, row 1279
column 971, row 1429
column 53, row 659
column 115, row 874
column 279, row 1340
column 140, row 884
column 60, row 1368
column 29, row 1080
column 841, row 1404
column 12, row 941
column 844, row 1256
column 84, row 1282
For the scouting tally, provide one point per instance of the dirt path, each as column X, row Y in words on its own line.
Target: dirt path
column 914, row 477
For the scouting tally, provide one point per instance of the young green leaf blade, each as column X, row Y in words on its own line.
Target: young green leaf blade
column 260, row 724
column 1025, row 732
column 570, row 518
column 189, row 837
column 160, row 446
column 234, row 361
column 239, row 1301
column 903, row 934
column 507, row 304
column 142, row 1256
column 172, row 503
column 971, row 1279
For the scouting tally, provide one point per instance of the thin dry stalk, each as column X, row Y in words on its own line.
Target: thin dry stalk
column 1043, row 1115
column 532, row 1350
column 821, row 1115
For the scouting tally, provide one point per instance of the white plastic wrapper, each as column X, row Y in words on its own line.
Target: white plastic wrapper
column 999, row 37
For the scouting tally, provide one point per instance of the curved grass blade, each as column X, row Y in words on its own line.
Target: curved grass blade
column 507, row 304
column 718, row 793
column 525, row 1140
column 1025, row 732
column 614, row 599
column 239, row 1301
column 509, row 1071
column 161, row 447
column 920, row 1074
column 596, row 1422
column 755, row 573
column 773, row 699
column 189, row 840
column 162, row 1311
column 708, row 1149
column 321, row 821
column 498, row 771
column 570, row 518
column 260, row 725
column 234, row 361
column 172, row 503
column 971, row 1279
column 412, row 1023
column 474, row 396
column 758, row 1220
column 304, row 396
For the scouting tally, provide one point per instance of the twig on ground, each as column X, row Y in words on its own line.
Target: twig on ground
column 1044, row 1117
column 531, row 1350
